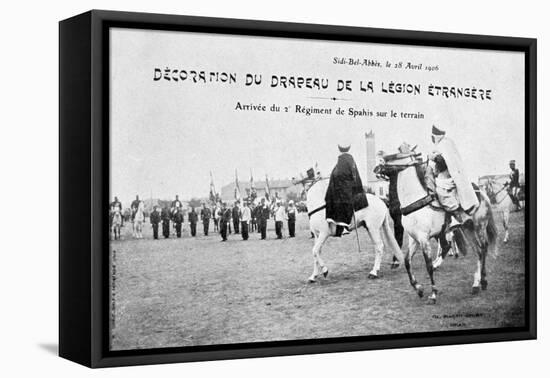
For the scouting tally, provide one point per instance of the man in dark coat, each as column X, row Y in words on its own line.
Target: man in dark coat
column 165, row 217
column 235, row 214
column 224, row 221
column 193, row 219
column 154, row 218
column 394, row 206
column 178, row 221
column 206, row 214
column 345, row 183
column 263, row 215
column 291, row 215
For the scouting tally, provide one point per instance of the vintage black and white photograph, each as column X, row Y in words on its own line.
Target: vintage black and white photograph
column 272, row 189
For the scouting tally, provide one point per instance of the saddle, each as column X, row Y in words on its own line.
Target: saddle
column 436, row 205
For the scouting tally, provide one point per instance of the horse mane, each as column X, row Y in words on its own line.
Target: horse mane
column 421, row 173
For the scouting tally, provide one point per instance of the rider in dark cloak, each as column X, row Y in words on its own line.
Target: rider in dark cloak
column 344, row 186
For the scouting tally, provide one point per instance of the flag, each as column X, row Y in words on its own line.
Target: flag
column 267, row 188
column 213, row 194
column 237, row 189
column 252, row 192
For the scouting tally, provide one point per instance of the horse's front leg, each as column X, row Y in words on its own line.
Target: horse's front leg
column 480, row 275
column 413, row 244
column 505, row 223
column 427, row 252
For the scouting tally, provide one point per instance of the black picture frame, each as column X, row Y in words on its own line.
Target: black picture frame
column 83, row 180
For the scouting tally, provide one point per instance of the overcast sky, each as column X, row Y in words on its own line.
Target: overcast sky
column 167, row 136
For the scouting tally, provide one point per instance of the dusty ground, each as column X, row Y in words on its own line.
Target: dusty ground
column 199, row 291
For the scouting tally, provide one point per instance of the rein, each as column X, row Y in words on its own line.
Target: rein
column 316, row 210
column 497, row 193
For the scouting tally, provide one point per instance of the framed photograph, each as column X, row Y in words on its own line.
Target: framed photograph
column 234, row 188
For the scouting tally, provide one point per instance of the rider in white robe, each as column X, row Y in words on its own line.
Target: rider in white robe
column 456, row 175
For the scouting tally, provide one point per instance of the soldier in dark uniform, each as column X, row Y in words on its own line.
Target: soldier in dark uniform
column 224, row 221
column 178, row 221
column 256, row 217
column 253, row 225
column 513, row 184
column 263, row 215
column 235, row 214
column 165, row 216
column 291, row 215
column 206, row 214
column 154, row 218
column 345, row 183
column 193, row 219
column 134, row 206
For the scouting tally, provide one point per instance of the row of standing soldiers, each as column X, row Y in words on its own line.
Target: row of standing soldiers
column 244, row 219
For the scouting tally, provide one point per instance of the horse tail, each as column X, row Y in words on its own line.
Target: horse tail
column 389, row 237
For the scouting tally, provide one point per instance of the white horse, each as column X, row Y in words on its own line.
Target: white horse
column 139, row 218
column 425, row 222
column 501, row 198
column 375, row 218
column 116, row 223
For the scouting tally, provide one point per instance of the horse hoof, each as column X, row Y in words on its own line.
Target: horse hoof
column 372, row 276
column 432, row 300
column 311, row 279
column 325, row 272
column 394, row 265
column 420, row 291
column 475, row 290
column 484, row 285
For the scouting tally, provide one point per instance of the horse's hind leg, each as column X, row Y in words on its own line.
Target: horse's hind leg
column 413, row 244
column 483, row 281
column 379, row 250
column 318, row 262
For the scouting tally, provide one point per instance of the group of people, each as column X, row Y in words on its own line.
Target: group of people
column 246, row 218
column 243, row 218
column 445, row 179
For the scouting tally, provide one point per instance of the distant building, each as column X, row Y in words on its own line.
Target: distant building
column 281, row 187
column 374, row 184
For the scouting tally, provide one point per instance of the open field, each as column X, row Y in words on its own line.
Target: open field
column 199, row 291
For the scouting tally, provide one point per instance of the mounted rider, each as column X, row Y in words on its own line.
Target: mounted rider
column 134, row 207
column 513, row 183
column 115, row 206
column 176, row 205
column 446, row 179
column 344, row 187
